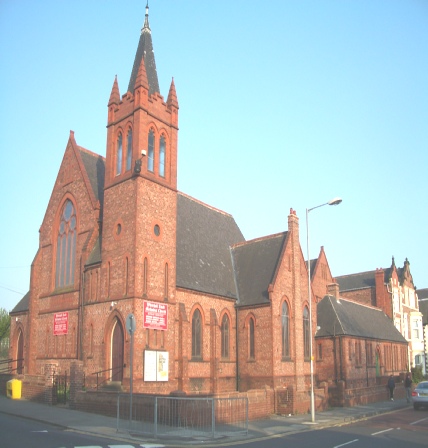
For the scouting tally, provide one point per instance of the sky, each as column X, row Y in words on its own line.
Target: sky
column 283, row 104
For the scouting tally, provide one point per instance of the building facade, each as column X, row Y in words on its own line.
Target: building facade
column 393, row 291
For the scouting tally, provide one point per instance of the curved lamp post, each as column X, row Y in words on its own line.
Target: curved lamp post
column 335, row 201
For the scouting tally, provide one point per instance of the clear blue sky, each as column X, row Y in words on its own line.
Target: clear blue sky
column 284, row 103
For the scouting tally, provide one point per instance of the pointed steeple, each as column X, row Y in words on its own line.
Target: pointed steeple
column 145, row 52
column 114, row 95
column 172, row 96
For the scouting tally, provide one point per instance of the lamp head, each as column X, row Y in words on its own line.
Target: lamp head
column 335, row 201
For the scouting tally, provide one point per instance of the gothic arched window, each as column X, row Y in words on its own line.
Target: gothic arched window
column 251, row 340
column 162, row 156
column 306, row 335
column 151, row 151
column 285, row 320
column 225, row 337
column 66, row 246
column 129, row 150
column 119, row 155
column 197, row 334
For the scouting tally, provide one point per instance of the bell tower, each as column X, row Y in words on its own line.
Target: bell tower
column 138, row 247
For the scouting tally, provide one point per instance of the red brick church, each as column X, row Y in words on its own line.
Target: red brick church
column 119, row 244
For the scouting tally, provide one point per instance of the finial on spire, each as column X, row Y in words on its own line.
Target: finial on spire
column 146, row 20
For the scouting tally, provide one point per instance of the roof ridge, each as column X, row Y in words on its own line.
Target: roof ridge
column 204, row 204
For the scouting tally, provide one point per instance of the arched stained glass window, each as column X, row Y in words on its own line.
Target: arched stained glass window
column 66, row 246
column 285, row 320
column 197, row 334
column 225, row 337
column 151, row 151
column 119, row 155
column 129, row 150
column 162, row 156
column 306, row 335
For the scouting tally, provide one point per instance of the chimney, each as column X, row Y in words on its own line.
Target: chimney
column 333, row 290
column 293, row 223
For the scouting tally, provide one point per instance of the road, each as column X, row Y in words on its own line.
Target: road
column 404, row 428
column 17, row 432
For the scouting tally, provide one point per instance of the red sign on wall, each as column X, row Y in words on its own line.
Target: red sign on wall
column 60, row 323
column 155, row 315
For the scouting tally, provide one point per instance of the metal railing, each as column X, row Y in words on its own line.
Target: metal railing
column 6, row 365
column 112, row 371
column 179, row 417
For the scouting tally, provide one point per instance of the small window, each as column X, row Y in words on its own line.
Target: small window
column 129, row 150
column 197, row 334
column 162, row 156
column 119, row 155
column 225, row 337
column 306, row 335
column 151, row 151
column 285, row 320
column 251, row 340
column 320, row 351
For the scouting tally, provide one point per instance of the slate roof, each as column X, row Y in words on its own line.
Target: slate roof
column 357, row 281
column 255, row 265
column 23, row 305
column 145, row 50
column 95, row 169
column 344, row 317
column 204, row 237
column 95, row 256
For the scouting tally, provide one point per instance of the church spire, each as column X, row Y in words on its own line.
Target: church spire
column 145, row 53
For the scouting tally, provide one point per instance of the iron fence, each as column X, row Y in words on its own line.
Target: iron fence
column 61, row 389
column 183, row 417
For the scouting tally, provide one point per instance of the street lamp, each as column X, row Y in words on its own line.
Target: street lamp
column 335, row 201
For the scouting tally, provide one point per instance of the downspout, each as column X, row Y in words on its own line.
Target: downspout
column 79, row 313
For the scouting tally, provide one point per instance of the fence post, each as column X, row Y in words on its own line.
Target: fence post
column 76, row 382
column 49, row 382
column 156, row 417
column 213, row 416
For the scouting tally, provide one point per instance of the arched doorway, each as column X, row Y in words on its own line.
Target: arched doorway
column 20, row 354
column 117, row 344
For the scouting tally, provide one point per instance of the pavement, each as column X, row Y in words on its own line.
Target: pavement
column 274, row 426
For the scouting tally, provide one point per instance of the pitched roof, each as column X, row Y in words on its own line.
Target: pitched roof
column 357, row 281
column 145, row 51
column 95, row 255
column 95, row 169
column 23, row 305
column 255, row 265
column 204, row 237
column 344, row 317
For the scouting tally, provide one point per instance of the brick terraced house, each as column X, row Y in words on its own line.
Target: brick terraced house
column 119, row 244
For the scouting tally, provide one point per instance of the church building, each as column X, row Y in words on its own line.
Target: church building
column 125, row 257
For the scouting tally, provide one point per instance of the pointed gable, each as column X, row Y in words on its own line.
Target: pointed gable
column 255, row 264
column 204, row 237
column 347, row 318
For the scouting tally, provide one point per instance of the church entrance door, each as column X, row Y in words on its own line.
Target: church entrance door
column 117, row 343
